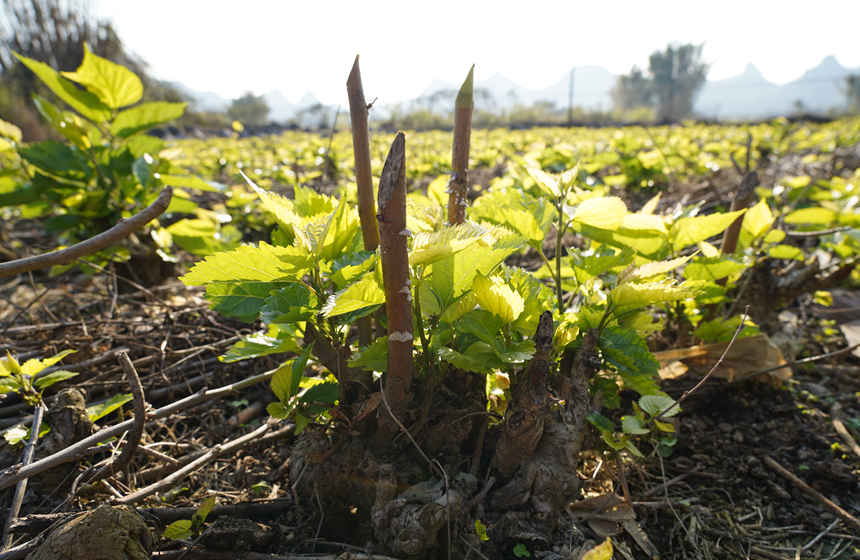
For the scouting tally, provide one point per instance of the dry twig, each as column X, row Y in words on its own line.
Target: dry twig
column 18, row 498
column 123, row 229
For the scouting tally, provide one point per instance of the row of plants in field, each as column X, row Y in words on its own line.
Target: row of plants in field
column 383, row 305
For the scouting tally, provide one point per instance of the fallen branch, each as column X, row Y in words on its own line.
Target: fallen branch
column 134, row 434
column 21, row 488
column 203, row 460
column 13, row 474
column 121, row 230
column 847, row 517
column 839, row 426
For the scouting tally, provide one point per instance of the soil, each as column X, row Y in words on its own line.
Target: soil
column 716, row 496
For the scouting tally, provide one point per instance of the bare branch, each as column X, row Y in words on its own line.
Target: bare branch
column 92, row 245
column 21, row 488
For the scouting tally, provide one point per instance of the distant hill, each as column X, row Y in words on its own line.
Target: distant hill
column 748, row 95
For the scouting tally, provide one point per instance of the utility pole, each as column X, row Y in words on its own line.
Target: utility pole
column 570, row 99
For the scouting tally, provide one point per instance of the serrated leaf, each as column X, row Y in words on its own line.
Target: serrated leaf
column 628, row 353
column 689, row 231
column 478, row 357
column 494, row 295
column 604, row 212
column 99, row 411
column 655, row 404
column 277, row 410
column 57, row 159
column 178, row 530
column 287, row 379
column 758, row 219
column 53, row 377
column 242, row 300
column 361, row 294
column 115, row 85
column 373, row 357
column 289, row 304
column 546, row 182
column 266, row 263
column 145, row 116
column 348, row 268
column 428, row 247
column 81, row 101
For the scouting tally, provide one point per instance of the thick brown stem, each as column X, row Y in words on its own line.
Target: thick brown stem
column 459, row 184
column 363, row 178
column 92, row 245
column 395, row 275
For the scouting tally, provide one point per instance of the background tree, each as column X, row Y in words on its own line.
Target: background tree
column 632, row 91
column 852, row 91
column 249, row 109
column 677, row 74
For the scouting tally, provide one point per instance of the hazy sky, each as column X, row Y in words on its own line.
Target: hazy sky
column 233, row 46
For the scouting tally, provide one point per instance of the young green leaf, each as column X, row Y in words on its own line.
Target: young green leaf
column 266, row 262
column 53, row 377
column 81, row 101
column 98, row 411
column 655, row 404
column 145, row 116
column 604, row 212
column 628, row 353
column 689, row 231
column 361, row 294
column 116, row 86
column 494, row 295
column 178, row 530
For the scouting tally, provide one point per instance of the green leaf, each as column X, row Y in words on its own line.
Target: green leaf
column 205, row 508
column 713, row 269
column 323, row 393
column 54, row 377
column 482, row 324
column 480, row 528
column 258, row 345
column 478, row 357
column 758, row 219
column 689, row 231
column 32, row 367
column 98, row 411
column 116, row 86
column 145, row 116
column 178, row 530
column 9, row 130
column 373, row 357
column 58, row 159
column 600, row 422
column 604, row 212
column 294, row 302
column 546, row 182
column 81, row 101
column 429, row 247
column 243, row 300
column 815, row 216
column 520, row 551
column 632, row 425
column 786, row 252
column 628, row 353
column 266, row 262
column 632, row 295
column 187, row 182
column 361, row 294
column 494, row 295
column 278, row 410
column 16, row 434
column 651, row 269
column 348, row 268
column 655, row 404
column 286, row 380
